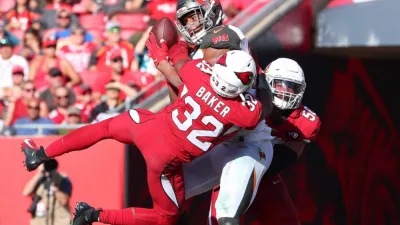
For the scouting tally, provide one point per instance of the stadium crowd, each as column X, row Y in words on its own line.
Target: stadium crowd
column 72, row 62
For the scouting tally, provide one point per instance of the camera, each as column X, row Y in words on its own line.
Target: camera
column 50, row 165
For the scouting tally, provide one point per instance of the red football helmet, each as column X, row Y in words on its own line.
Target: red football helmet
column 195, row 17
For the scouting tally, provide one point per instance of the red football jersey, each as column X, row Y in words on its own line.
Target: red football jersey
column 200, row 119
column 104, row 53
column 78, row 56
column 302, row 125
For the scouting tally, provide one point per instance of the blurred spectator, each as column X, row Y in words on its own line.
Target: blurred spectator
column 106, row 6
column 56, row 79
column 84, row 102
column 20, row 17
column 31, row 45
column 18, row 80
column 131, row 5
column 155, row 8
column 35, row 6
column 18, row 108
column 6, row 34
column 162, row 8
column 74, row 115
column 66, row 31
column 58, row 4
column 38, row 26
column 33, row 117
column 50, row 191
column 58, row 18
column 76, row 50
column 7, row 61
column 142, row 61
column 41, row 65
column 233, row 7
column 108, row 106
column 100, row 58
column 119, row 77
column 60, row 113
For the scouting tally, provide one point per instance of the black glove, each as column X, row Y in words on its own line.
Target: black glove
column 85, row 214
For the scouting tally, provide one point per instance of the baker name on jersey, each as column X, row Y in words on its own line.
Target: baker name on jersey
column 213, row 101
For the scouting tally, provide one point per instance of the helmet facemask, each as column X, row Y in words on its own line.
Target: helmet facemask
column 194, row 22
column 287, row 94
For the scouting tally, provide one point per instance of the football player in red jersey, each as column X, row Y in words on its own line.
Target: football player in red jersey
column 293, row 126
column 199, row 22
column 209, row 110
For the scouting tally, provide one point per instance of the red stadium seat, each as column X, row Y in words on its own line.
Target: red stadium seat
column 126, row 33
column 90, row 77
column 80, row 8
column 132, row 22
column 92, row 21
column 97, row 33
column 142, row 80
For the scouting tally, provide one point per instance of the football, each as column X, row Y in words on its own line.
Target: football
column 165, row 29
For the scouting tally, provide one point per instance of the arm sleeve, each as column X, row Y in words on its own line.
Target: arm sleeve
column 116, row 128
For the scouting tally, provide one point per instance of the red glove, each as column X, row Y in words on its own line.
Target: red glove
column 157, row 53
column 178, row 52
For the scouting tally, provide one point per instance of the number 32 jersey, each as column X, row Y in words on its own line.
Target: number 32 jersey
column 200, row 119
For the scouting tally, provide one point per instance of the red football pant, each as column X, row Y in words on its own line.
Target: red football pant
column 149, row 132
column 272, row 205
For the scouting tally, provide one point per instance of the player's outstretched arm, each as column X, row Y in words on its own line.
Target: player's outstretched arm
column 264, row 94
column 169, row 73
column 116, row 128
column 160, row 57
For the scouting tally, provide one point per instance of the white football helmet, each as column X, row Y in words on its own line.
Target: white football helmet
column 233, row 74
column 287, row 82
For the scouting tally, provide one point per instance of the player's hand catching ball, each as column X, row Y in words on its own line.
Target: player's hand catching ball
column 157, row 53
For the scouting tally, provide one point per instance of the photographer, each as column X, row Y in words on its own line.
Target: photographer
column 50, row 191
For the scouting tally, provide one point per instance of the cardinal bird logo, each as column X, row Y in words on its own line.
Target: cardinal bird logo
column 245, row 77
column 222, row 60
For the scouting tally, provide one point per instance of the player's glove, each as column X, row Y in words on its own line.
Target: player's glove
column 157, row 53
column 179, row 51
column 85, row 214
column 34, row 156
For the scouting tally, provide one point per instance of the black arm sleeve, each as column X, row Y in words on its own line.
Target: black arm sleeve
column 283, row 158
column 264, row 94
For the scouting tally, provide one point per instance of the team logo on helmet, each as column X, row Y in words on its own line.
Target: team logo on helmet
column 222, row 60
column 245, row 77
column 266, row 68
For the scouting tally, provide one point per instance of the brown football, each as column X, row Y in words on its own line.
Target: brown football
column 165, row 29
